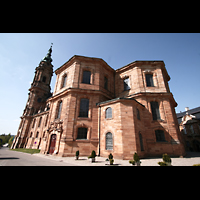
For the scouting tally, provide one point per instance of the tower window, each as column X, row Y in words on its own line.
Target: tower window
column 138, row 113
column 105, row 82
column 64, row 81
column 84, row 108
column 82, row 134
column 86, row 77
column 59, row 110
column 149, row 80
column 155, row 110
column 44, row 79
column 127, row 84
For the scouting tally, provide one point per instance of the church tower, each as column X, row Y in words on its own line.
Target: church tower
column 40, row 91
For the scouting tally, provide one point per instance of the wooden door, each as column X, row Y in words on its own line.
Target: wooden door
column 52, row 144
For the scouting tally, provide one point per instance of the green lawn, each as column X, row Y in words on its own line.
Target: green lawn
column 31, row 151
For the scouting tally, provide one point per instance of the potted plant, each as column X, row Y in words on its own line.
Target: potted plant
column 77, row 155
column 166, row 160
column 93, row 155
column 111, row 159
column 136, row 159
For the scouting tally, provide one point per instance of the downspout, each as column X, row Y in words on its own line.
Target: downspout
column 99, row 127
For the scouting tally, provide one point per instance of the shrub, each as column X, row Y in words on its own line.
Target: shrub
column 93, row 154
column 110, row 156
column 111, row 161
column 132, row 162
column 196, row 165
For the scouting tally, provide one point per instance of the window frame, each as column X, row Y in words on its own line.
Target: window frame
column 110, row 147
column 83, row 133
column 59, row 109
column 155, row 110
column 64, row 81
column 160, row 135
column 127, row 85
column 84, row 112
column 149, row 80
column 108, row 113
column 86, row 79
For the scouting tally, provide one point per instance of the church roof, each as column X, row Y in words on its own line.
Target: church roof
column 190, row 112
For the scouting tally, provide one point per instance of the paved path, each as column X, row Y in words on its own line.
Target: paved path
column 13, row 158
column 189, row 160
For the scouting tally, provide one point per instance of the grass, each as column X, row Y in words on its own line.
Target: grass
column 31, row 151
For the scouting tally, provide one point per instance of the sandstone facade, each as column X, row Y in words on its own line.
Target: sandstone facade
column 94, row 107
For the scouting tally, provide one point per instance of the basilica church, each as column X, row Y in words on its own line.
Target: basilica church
column 94, row 107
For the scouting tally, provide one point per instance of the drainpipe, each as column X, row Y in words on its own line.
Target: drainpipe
column 99, row 127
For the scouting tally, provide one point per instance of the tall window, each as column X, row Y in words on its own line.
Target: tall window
column 86, row 77
column 44, row 79
column 141, row 142
column 84, row 108
column 82, row 134
column 108, row 113
column 155, row 110
column 149, row 80
column 37, row 134
column 33, row 123
column 105, row 82
column 64, row 81
column 59, row 110
column 160, row 136
column 138, row 113
column 40, row 122
column 127, row 84
column 109, row 141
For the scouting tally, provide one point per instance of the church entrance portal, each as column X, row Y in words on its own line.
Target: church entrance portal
column 52, row 144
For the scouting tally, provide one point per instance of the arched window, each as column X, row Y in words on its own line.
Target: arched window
column 40, row 122
column 59, row 110
column 141, row 142
column 37, row 134
column 108, row 113
column 33, row 123
column 109, row 141
column 138, row 113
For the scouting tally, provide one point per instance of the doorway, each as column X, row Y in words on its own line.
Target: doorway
column 52, row 144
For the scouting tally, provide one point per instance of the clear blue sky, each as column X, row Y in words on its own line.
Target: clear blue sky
column 20, row 54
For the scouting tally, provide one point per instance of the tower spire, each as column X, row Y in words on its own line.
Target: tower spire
column 48, row 58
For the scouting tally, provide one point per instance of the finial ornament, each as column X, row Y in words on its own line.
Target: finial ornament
column 48, row 58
